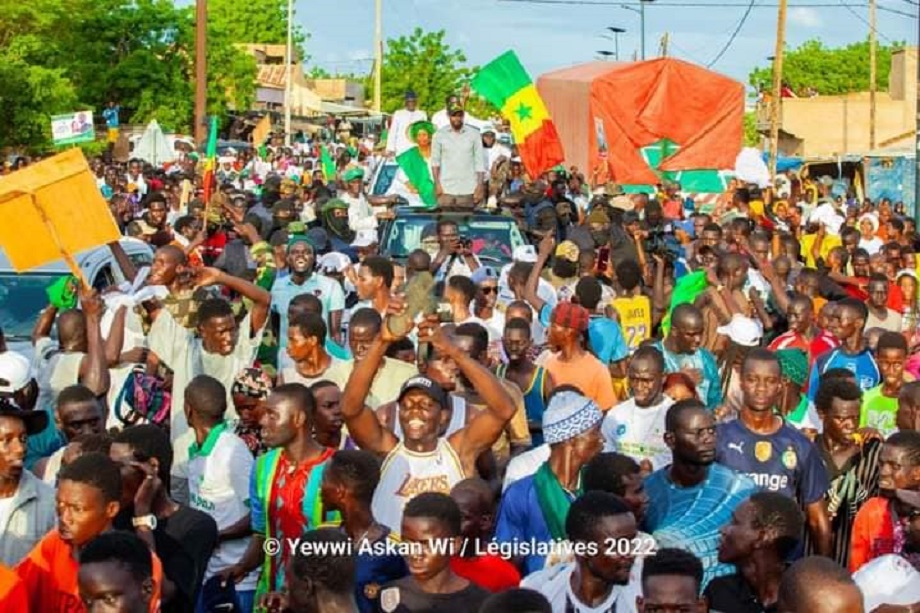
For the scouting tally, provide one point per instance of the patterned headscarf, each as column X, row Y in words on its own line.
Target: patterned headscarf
column 252, row 382
column 567, row 415
column 794, row 364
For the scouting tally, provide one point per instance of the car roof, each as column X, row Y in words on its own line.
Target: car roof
column 409, row 211
column 130, row 245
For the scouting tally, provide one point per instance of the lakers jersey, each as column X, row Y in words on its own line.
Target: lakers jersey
column 635, row 314
column 405, row 474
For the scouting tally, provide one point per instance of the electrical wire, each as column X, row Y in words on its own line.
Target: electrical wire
column 685, row 4
column 866, row 21
column 731, row 39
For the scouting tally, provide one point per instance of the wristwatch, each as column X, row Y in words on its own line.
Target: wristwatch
column 145, row 521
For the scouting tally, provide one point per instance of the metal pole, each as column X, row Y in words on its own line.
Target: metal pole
column 378, row 54
column 616, row 45
column 642, row 25
column 201, row 70
column 289, row 81
column 777, row 86
column 873, row 44
column 917, row 138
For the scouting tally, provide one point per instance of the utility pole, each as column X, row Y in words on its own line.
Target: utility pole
column 665, row 39
column 642, row 25
column 201, row 70
column 873, row 86
column 378, row 53
column 917, row 137
column 289, row 79
column 777, row 86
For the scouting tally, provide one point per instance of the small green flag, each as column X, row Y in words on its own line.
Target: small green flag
column 62, row 294
column 328, row 163
column 416, row 168
column 685, row 290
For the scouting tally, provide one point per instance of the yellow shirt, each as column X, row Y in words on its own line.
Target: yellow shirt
column 830, row 241
column 635, row 315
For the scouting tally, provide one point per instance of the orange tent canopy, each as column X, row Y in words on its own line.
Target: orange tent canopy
column 638, row 104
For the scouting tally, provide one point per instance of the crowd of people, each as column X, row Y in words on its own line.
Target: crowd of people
column 654, row 405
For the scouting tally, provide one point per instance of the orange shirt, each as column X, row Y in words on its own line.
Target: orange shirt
column 588, row 374
column 49, row 574
column 873, row 533
column 13, row 596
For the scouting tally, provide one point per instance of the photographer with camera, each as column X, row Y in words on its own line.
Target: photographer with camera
column 454, row 253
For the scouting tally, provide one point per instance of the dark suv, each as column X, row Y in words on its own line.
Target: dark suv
column 492, row 237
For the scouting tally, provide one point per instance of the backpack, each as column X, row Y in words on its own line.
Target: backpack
column 143, row 399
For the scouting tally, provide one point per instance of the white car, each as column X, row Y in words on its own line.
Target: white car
column 23, row 295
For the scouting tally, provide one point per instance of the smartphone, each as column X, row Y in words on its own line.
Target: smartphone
column 603, row 256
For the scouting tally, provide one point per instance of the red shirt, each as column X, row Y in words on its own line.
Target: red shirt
column 873, row 533
column 13, row 595
column 288, row 490
column 488, row 571
column 49, row 574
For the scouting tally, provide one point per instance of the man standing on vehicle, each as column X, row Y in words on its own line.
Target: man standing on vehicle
column 398, row 135
column 457, row 162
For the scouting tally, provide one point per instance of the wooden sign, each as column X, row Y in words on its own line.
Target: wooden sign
column 52, row 210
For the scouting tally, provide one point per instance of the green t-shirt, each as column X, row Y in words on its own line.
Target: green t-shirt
column 878, row 411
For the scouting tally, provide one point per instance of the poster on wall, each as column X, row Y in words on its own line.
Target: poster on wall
column 73, row 128
column 601, row 137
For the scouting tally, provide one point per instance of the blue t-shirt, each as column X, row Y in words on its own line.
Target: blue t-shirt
column 606, row 338
column 862, row 365
column 329, row 292
column 690, row 517
column 785, row 461
column 520, row 519
column 710, row 388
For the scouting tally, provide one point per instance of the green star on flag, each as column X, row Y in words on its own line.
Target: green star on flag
column 524, row 112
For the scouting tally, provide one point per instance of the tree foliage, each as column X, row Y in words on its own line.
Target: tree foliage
column 424, row 63
column 752, row 137
column 58, row 56
column 829, row 71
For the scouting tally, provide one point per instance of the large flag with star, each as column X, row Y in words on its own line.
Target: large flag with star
column 506, row 84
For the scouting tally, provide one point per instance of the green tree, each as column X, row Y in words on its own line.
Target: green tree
column 29, row 95
column 258, row 21
column 424, row 63
column 829, row 71
column 752, row 137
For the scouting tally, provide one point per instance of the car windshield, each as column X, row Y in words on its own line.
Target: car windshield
column 491, row 239
column 384, row 179
column 22, row 297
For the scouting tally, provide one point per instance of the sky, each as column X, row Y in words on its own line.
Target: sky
column 552, row 36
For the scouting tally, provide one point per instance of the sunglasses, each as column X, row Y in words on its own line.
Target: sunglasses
column 489, row 290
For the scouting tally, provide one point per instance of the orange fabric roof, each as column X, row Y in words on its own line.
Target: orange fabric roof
column 639, row 103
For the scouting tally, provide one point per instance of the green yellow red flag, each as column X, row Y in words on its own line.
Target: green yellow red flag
column 210, row 161
column 505, row 84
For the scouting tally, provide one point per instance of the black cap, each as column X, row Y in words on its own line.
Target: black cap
column 410, row 95
column 426, row 385
column 35, row 421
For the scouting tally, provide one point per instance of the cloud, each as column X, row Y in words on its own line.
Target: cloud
column 805, row 17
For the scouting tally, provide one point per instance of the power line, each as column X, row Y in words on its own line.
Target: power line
column 891, row 10
column 685, row 4
column 866, row 21
column 731, row 39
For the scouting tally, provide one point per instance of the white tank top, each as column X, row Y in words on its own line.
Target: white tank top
column 457, row 417
column 405, row 474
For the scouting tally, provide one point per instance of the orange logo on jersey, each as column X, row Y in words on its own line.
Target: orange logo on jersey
column 413, row 486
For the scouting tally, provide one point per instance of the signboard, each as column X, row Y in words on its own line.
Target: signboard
column 51, row 210
column 73, row 128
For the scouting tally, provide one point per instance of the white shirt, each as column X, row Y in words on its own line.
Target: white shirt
column 638, row 432
column 360, row 214
column 873, row 246
column 492, row 154
column 525, row 465
column 398, row 135
column 828, row 215
column 889, row 579
column 555, row 583
column 219, row 486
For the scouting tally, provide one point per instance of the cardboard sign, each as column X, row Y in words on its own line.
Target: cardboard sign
column 52, row 210
column 73, row 128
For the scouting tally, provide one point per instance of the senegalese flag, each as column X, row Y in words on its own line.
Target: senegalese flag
column 505, row 84
column 328, row 163
column 210, row 162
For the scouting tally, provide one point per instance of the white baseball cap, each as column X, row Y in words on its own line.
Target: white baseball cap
column 365, row 238
column 524, row 253
column 742, row 330
column 15, row 372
